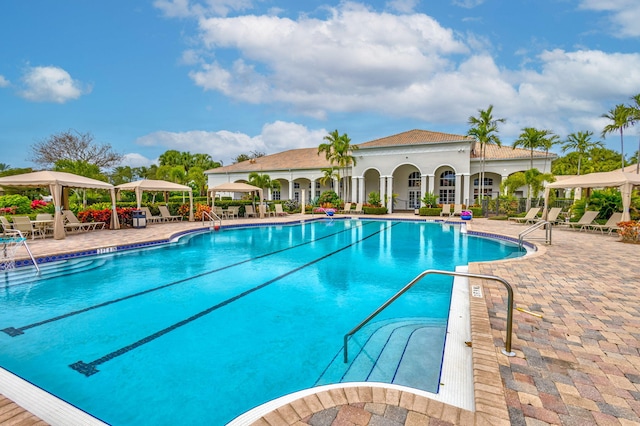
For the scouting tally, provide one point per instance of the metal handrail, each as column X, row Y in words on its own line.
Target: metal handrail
column 212, row 218
column 26, row 246
column 548, row 226
column 507, row 347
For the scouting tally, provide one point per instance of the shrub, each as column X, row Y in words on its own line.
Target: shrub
column 38, row 204
column 629, row 231
column 197, row 215
column 374, row 210
column 21, row 203
column 329, row 199
column 430, row 211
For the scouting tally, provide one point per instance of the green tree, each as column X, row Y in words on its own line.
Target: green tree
column 620, row 118
column 513, row 182
column 328, row 174
column 581, row 144
column 263, row 181
column 533, row 139
column 634, row 119
column 121, row 174
column 338, row 150
column 196, row 180
column 484, row 128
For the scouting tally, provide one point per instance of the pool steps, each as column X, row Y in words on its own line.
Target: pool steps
column 407, row 353
column 22, row 276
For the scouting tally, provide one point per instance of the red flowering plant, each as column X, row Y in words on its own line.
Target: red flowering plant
column 38, row 204
column 7, row 210
column 199, row 209
column 629, row 231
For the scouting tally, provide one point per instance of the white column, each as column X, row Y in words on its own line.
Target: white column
column 336, row 185
column 466, row 197
column 354, row 189
column 291, row 189
column 423, row 187
column 458, row 197
column 269, row 194
column 432, row 183
column 362, row 197
column 302, row 201
column 383, row 189
column 390, row 194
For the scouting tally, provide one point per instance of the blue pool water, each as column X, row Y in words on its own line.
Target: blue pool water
column 210, row 327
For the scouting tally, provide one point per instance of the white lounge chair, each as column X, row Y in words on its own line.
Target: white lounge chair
column 446, row 210
column 24, row 225
column 358, row 208
column 265, row 211
column 166, row 215
column 249, row 211
column 585, row 221
column 530, row 217
column 279, row 211
column 6, row 225
column 457, row 210
column 610, row 226
column 347, row 208
column 73, row 224
column 151, row 218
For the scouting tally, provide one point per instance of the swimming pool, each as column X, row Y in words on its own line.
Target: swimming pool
column 224, row 321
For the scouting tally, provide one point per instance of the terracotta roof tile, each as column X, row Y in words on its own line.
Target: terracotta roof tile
column 415, row 137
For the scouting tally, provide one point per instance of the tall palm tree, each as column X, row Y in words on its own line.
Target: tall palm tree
column 621, row 118
column 532, row 139
column 634, row 112
column 338, row 150
column 329, row 174
column 484, row 129
column 263, row 181
column 547, row 144
column 581, row 144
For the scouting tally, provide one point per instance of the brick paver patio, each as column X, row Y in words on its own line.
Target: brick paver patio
column 577, row 365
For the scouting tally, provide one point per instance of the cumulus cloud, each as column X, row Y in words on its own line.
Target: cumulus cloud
column 402, row 6
column 624, row 15
column 187, row 8
column 3, row 81
column 137, row 160
column 51, row 84
column 274, row 137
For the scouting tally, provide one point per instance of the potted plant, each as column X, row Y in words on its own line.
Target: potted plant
column 466, row 214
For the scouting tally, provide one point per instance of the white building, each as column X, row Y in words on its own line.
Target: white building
column 408, row 164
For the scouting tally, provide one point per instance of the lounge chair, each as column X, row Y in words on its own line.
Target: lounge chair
column 219, row 211
column 24, row 225
column 530, row 217
column 358, row 208
column 151, row 218
column 585, row 221
column 279, row 211
column 233, row 212
column 166, row 215
column 73, row 224
column 265, row 211
column 249, row 211
column 6, row 225
column 44, row 221
column 446, row 210
column 552, row 215
column 457, row 210
column 346, row 209
column 610, row 226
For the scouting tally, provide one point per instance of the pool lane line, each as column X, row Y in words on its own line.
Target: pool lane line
column 89, row 368
column 17, row 331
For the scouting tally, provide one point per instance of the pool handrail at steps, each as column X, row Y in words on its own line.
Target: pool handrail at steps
column 213, row 217
column 507, row 347
column 539, row 224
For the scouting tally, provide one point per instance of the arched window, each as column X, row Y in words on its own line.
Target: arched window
column 414, row 180
column 447, row 194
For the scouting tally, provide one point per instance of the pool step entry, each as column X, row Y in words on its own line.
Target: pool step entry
column 20, row 276
column 407, row 352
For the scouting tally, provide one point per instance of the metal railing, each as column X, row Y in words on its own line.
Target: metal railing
column 18, row 238
column 213, row 217
column 548, row 226
column 507, row 347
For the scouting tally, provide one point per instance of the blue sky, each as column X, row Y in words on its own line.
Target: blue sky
column 225, row 77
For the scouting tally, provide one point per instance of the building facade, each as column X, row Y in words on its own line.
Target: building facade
column 401, row 168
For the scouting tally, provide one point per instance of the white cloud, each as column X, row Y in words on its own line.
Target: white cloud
column 467, row 4
column 274, row 137
column 187, row 8
column 51, row 84
column 402, row 6
column 137, row 160
column 3, row 81
column 624, row 15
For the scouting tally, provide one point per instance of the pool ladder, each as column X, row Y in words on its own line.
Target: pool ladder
column 213, row 218
column 507, row 347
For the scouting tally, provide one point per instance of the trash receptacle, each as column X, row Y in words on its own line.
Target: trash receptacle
column 139, row 219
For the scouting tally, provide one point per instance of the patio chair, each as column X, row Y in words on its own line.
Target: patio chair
column 249, row 211
column 347, row 208
column 457, row 210
column 219, row 211
column 265, row 211
column 446, row 210
column 73, row 224
column 233, row 212
column 585, row 221
column 530, row 217
column 24, row 225
column 279, row 211
column 552, row 216
column 610, row 226
column 358, row 208
column 151, row 218
column 166, row 215
column 44, row 221
column 6, row 225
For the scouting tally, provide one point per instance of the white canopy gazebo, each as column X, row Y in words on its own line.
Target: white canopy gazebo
column 237, row 187
column 616, row 179
column 151, row 185
column 57, row 182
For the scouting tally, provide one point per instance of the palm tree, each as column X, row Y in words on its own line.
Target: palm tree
column 263, row 181
column 634, row 112
column 547, row 144
column 621, row 118
column 329, row 174
column 532, row 139
column 338, row 150
column 581, row 144
column 484, row 129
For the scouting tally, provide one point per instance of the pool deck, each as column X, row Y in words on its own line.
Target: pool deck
column 579, row 364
